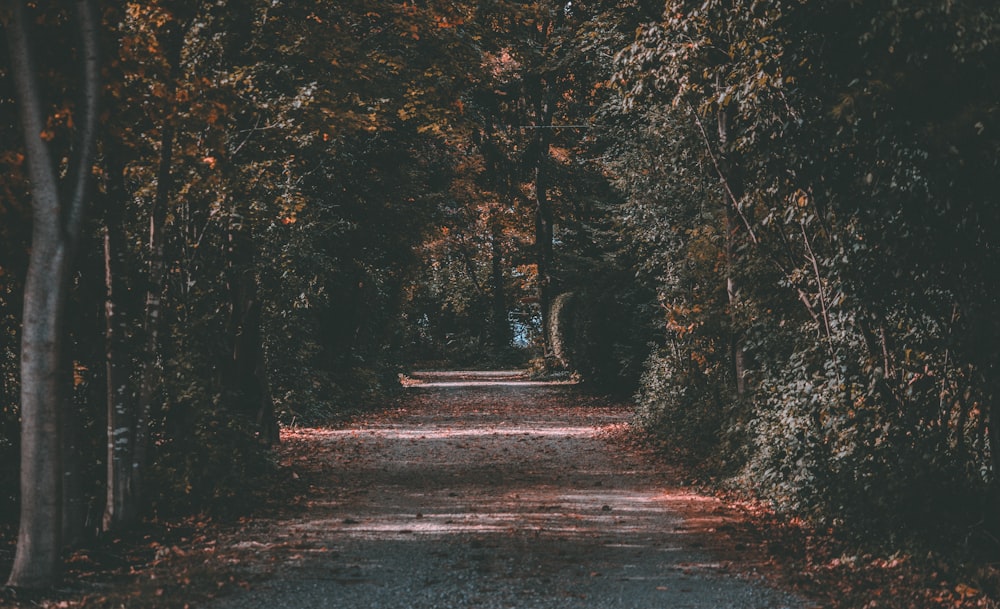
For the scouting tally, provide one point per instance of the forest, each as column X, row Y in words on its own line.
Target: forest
column 770, row 223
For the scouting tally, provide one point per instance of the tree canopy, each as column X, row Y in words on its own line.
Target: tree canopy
column 771, row 222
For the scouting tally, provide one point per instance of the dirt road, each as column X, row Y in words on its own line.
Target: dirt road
column 485, row 492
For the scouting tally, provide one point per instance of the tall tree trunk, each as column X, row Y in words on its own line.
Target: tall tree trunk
column 735, row 349
column 543, row 251
column 267, row 421
column 250, row 362
column 501, row 326
column 57, row 224
column 72, row 511
column 245, row 374
column 120, row 508
column 543, row 211
column 537, row 91
column 737, row 356
column 150, row 378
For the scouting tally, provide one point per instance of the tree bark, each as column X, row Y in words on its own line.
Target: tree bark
column 736, row 351
column 737, row 357
column 120, row 507
column 543, row 212
column 543, row 251
column 57, row 224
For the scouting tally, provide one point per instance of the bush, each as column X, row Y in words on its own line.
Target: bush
column 682, row 405
column 823, row 443
column 216, row 469
column 601, row 331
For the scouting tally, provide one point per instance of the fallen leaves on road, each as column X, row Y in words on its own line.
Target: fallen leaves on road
column 172, row 565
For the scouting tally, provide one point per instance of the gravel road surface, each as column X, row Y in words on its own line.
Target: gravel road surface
column 484, row 491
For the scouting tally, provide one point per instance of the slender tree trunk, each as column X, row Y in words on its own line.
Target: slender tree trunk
column 57, row 223
column 736, row 351
column 543, row 213
column 543, row 251
column 72, row 511
column 537, row 91
column 150, row 379
column 120, row 507
column 737, row 356
column 251, row 364
column 501, row 326
column 245, row 374
column 267, row 420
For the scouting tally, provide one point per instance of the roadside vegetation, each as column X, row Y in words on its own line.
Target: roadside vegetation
column 770, row 223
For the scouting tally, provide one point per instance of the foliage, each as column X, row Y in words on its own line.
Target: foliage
column 839, row 177
column 294, row 192
column 602, row 330
column 774, row 219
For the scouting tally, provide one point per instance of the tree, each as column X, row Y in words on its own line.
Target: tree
column 57, row 220
column 837, row 157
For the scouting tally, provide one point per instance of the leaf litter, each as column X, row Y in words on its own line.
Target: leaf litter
column 542, row 479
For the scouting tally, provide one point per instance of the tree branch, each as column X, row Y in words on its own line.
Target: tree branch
column 41, row 169
column 735, row 204
column 811, row 256
column 722, row 175
column 87, row 135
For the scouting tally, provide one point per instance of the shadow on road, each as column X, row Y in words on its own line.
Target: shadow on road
column 487, row 490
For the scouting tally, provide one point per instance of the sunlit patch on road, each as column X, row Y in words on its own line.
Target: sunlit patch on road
column 473, row 379
column 507, row 494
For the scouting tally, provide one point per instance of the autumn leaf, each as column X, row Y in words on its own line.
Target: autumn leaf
column 966, row 591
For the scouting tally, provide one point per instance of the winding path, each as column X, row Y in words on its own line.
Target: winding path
column 486, row 491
